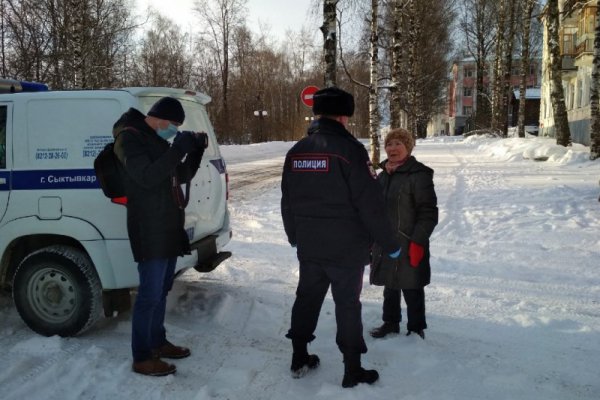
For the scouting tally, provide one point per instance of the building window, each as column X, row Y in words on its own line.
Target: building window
column 568, row 47
column 586, row 93
column 570, row 96
column 467, row 91
column 578, row 97
column 532, row 69
column 467, row 110
column 469, row 72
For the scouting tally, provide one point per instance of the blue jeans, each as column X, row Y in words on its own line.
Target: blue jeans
column 148, row 330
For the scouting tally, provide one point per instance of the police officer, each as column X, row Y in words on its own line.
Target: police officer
column 332, row 209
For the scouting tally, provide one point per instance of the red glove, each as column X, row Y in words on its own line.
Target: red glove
column 415, row 254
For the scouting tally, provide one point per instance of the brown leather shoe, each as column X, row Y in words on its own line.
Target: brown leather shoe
column 169, row 350
column 153, row 367
column 385, row 329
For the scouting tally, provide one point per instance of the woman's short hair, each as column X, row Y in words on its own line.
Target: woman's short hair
column 402, row 135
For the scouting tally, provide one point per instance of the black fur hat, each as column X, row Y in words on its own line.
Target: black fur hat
column 333, row 101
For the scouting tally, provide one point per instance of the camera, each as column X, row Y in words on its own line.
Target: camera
column 202, row 139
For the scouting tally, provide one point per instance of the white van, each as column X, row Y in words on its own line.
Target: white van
column 64, row 249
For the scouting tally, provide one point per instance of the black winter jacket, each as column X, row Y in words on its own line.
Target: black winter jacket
column 411, row 203
column 155, row 219
column 332, row 205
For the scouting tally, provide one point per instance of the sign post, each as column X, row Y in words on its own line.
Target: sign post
column 307, row 95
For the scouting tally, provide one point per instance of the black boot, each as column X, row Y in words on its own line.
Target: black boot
column 302, row 362
column 385, row 329
column 420, row 332
column 355, row 374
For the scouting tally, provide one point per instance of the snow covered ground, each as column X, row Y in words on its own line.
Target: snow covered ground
column 513, row 308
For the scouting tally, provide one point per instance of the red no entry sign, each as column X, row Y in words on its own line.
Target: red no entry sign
column 307, row 95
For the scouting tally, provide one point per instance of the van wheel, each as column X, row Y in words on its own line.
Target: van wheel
column 57, row 291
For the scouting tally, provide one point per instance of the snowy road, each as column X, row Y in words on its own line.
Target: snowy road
column 513, row 308
column 254, row 173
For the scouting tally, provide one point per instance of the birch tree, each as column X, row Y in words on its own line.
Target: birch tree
column 374, row 117
column 557, row 96
column 506, row 88
column 329, row 30
column 373, row 85
column 162, row 60
column 221, row 17
column 3, row 69
column 397, row 7
column 498, row 66
column 478, row 26
column 66, row 43
column 413, row 65
column 595, row 91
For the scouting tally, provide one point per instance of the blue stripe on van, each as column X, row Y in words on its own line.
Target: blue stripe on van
column 49, row 179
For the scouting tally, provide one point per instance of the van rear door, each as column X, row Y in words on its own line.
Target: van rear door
column 5, row 155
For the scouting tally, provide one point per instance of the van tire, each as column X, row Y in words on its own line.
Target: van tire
column 57, row 291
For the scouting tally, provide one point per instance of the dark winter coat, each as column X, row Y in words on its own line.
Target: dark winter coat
column 155, row 215
column 332, row 205
column 411, row 203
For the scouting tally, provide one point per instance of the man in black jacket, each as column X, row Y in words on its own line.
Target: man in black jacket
column 153, row 172
column 332, row 209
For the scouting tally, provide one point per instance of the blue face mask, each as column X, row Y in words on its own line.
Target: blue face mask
column 168, row 132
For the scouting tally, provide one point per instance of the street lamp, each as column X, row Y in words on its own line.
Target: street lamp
column 261, row 114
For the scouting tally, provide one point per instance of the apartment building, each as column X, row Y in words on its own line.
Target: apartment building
column 462, row 97
column 576, row 38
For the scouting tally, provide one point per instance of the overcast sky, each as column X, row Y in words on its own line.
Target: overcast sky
column 279, row 14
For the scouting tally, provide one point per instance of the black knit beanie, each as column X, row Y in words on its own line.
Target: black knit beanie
column 168, row 108
column 333, row 101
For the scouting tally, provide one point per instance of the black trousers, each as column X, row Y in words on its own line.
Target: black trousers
column 346, row 285
column 415, row 307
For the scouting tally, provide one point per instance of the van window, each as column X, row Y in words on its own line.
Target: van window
column 2, row 137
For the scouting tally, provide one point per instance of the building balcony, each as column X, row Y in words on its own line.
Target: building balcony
column 586, row 46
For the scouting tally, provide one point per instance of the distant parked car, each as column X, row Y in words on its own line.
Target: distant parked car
column 532, row 129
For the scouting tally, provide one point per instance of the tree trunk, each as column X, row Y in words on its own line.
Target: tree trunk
column 595, row 89
column 477, row 27
column 506, row 94
column 412, row 69
column 524, row 66
column 395, row 102
column 2, row 43
column 330, row 41
column 498, row 68
column 557, row 96
column 373, row 89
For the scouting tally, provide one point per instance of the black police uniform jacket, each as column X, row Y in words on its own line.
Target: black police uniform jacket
column 411, row 204
column 155, row 214
column 332, row 206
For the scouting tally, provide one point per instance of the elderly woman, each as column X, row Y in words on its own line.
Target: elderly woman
column 411, row 205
